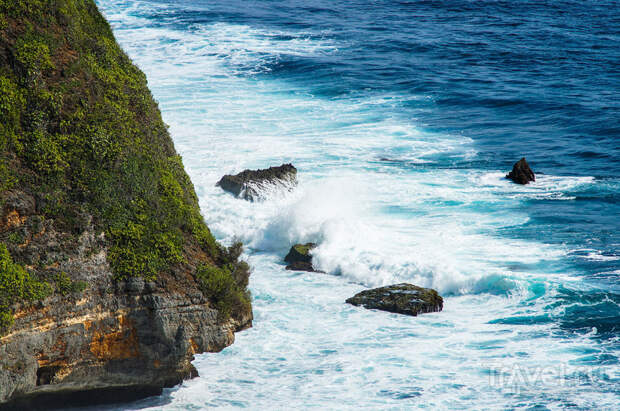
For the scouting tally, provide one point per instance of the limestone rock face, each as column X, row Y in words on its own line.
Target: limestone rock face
column 521, row 172
column 114, row 341
column 399, row 298
column 251, row 184
column 299, row 257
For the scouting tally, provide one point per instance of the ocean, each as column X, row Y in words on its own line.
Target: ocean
column 403, row 118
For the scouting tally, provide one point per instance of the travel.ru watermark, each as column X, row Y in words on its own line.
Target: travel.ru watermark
column 515, row 377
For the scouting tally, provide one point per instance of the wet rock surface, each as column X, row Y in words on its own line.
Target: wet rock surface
column 299, row 257
column 250, row 184
column 399, row 298
column 521, row 172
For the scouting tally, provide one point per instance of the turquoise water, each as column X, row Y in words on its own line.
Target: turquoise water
column 402, row 119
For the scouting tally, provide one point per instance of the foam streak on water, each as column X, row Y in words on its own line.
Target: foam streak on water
column 381, row 196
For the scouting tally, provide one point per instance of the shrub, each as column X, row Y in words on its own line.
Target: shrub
column 226, row 286
column 45, row 154
column 78, row 286
column 15, row 238
column 16, row 285
column 7, row 180
column 11, row 103
column 34, row 56
column 66, row 286
column 6, row 319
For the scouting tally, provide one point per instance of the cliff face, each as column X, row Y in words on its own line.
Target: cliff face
column 109, row 279
column 115, row 340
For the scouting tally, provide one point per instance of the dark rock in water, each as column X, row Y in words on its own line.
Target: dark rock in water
column 249, row 183
column 299, row 258
column 300, row 266
column 521, row 172
column 300, row 252
column 399, row 298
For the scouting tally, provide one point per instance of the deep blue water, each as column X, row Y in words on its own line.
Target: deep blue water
column 424, row 104
column 539, row 79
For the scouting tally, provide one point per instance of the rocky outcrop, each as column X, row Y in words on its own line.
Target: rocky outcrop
column 113, row 340
column 116, row 344
column 521, row 172
column 252, row 184
column 299, row 257
column 399, row 298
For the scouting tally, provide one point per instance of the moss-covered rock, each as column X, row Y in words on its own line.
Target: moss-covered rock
column 299, row 257
column 399, row 298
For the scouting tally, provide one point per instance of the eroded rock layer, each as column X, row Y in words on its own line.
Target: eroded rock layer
column 114, row 340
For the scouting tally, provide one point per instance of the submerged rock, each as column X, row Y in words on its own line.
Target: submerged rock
column 299, row 257
column 521, row 172
column 249, row 183
column 399, row 298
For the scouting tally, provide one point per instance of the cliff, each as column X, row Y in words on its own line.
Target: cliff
column 110, row 281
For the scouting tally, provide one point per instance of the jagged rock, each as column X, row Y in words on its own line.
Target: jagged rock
column 299, row 257
column 399, row 298
column 20, row 202
column 115, row 340
column 249, row 183
column 521, row 172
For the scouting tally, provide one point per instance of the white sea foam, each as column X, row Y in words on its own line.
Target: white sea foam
column 545, row 187
column 617, row 272
column 598, row 256
column 357, row 241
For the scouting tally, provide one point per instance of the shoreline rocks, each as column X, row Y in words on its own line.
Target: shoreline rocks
column 116, row 340
column 401, row 298
column 299, row 257
column 249, row 183
column 521, row 172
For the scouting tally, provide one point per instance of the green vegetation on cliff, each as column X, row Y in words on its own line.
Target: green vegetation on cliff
column 227, row 285
column 81, row 133
column 16, row 284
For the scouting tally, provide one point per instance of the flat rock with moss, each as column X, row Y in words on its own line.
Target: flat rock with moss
column 399, row 298
column 253, row 185
column 299, row 257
